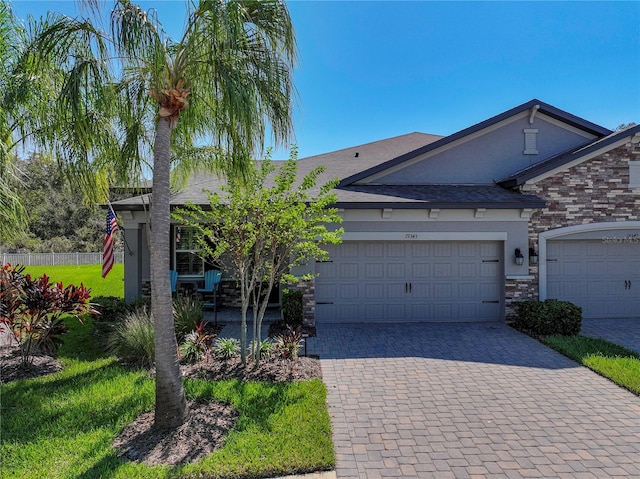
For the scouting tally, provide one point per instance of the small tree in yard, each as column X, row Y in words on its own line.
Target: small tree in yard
column 31, row 309
column 260, row 227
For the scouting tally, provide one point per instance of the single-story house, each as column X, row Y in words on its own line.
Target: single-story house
column 533, row 203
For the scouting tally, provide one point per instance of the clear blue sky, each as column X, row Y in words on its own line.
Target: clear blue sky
column 371, row 70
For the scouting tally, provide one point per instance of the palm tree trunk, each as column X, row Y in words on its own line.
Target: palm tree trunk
column 171, row 406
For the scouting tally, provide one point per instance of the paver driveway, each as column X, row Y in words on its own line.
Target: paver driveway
column 470, row 400
column 625, row 332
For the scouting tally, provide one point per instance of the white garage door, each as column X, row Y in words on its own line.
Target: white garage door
column 603, row 278
column 410, row 281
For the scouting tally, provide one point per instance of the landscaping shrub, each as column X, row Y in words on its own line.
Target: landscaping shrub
column 133, row 338
column 226, row 348
column 187, row 314
column 31, row 309
column 110, row 308
column 549, row 317
column 292, row 307
column 288, row 344
column 196, row 344
column 266, row 348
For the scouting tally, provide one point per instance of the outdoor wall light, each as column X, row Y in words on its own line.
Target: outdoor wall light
column 518, row 257
column 533, row 256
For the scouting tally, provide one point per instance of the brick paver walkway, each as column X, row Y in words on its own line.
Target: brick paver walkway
column 625, row 332
column 470, row 400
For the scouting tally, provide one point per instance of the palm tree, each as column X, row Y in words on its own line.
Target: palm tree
column 225, row 82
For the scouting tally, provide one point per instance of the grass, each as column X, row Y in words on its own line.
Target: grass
column 619, row 364
column 90, row 275
column 62, row 425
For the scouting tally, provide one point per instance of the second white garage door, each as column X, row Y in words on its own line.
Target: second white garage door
column 602, row 278
column 410, row 281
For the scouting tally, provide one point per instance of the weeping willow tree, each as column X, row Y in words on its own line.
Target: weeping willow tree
column 129, row 98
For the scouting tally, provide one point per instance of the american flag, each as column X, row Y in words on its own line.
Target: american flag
column 107, row 250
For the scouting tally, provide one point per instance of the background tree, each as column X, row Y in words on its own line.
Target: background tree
column 260, row 228
column 234, row 63
column 58, row 217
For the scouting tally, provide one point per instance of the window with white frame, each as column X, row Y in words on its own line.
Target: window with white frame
column 187, row 262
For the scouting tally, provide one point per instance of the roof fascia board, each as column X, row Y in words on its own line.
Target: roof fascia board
column 568, row 118
column 510, row 205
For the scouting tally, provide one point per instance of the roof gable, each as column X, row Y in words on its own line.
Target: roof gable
column 571, row 157
column 588, row 130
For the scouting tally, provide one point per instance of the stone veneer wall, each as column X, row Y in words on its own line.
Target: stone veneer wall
column 596, row 190
column 308, row 289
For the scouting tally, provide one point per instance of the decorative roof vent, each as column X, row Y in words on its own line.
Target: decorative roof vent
column 530, row 141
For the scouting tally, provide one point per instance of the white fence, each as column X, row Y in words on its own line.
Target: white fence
column 55, row 259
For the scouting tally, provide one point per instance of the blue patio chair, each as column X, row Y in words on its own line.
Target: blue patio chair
column 173, row 276
column 211, row 282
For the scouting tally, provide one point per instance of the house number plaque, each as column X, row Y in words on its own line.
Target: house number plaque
column 411, row 236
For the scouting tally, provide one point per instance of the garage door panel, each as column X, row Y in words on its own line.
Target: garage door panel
column 572, row 268
column 442, row 291
column 468, row 291
column 421, row 281
column 421, row 270
column 488, row 250
column 350, row 291
column 489, row 291
column 421, row 250
column 349, row 271
column 594, row 275
column 488, row 311
column 468, row 270
column 395, row 311
column 467, row 250
column 396, row 270
column 443, row 311
column 374, row 250
column 490, row 270
column 347, row 250
column 443, row 270
column 374, row 291
column 373, row 311
column 423, row 310
column 349, row 312
column 374, row 271
column 326, row 291
column 327, row 269
column 443, row 250
column 396, row 250
column 396, row 290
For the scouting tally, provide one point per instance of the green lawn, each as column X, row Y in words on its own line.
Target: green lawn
column 63, row 425
column 90, row 275
column 619, row 364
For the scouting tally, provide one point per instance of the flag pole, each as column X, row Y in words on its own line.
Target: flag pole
column 124, row 238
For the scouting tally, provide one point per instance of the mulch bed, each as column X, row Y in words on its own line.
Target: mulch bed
column 12, row 368
column 202, row 433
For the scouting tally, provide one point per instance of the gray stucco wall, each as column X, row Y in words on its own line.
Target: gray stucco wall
column 489, row 157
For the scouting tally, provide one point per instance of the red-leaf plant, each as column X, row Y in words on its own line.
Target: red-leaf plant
column 31, row 310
